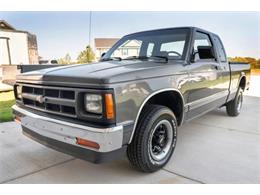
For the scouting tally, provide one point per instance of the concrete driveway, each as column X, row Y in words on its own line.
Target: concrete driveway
column 214, row 148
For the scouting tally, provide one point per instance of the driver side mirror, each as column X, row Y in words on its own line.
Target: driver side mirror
column 204, row 52
column 103, row 54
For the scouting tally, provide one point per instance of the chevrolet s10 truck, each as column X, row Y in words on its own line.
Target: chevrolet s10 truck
column 132, row 101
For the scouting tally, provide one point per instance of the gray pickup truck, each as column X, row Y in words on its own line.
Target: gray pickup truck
column 132, row 101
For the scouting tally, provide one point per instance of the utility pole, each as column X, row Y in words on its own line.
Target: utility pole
column 89, row 38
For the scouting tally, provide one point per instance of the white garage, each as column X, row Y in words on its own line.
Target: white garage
column 16, row 47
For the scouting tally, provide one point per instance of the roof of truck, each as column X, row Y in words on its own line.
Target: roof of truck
column 171, row 28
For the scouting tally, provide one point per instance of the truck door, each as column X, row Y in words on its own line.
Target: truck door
column 205, row 88
column 223, row 64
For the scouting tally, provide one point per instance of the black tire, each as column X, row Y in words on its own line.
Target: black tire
column 141, row 152
column 233, row 107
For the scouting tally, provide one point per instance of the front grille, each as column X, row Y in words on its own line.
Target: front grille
column 50, row 99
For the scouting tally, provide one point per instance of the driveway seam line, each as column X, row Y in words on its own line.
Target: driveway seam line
column 229, row 129
column 37, row 171
column 195, row 180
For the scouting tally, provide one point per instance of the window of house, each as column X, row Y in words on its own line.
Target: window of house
column 124, row 52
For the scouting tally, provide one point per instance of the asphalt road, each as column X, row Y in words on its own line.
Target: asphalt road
column 214, row 148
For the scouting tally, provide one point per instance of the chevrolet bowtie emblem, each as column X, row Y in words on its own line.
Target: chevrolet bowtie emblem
column 40, row 98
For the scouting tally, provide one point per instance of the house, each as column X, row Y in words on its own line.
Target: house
column 130, row 48
column 16, row 47
column 102, row 45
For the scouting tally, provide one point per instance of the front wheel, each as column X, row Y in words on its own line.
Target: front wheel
column 234, row 107
column 154, row 140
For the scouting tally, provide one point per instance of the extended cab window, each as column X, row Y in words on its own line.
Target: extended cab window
column 221, row 50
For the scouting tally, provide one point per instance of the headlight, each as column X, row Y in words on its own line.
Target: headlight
column 19, row 91
column 93, row 103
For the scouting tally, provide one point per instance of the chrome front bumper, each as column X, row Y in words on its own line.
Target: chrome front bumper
column 109, row 139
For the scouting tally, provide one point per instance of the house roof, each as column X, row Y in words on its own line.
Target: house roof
column 105, row 42
column 5, row 25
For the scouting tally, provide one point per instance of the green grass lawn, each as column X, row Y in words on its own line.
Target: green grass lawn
column 6, row 102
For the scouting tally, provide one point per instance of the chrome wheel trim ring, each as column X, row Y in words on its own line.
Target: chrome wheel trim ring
column 166, row 149
column 239, row 102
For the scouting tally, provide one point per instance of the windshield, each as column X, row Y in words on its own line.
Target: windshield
column 169, row 44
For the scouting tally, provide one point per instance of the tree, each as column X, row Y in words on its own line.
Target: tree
column 258, row 64
column 86, row 56
column 252, row 61
column 65, row 60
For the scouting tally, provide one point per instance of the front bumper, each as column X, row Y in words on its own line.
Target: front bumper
column 61, row 136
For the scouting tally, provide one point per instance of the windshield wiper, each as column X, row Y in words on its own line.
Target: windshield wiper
column 160, row 57
column 111, row 58
column 136, row 58
column 146, row 58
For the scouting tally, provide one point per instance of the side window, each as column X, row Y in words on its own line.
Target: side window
column 221, row 50
column 150, row 47
column 201, row 39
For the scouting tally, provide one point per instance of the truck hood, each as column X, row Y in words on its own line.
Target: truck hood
column 97, row 73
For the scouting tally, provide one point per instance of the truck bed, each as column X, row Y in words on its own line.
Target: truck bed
column 237, row 69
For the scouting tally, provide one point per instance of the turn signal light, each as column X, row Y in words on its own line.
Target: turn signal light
column 109, row 106
column 87, row 143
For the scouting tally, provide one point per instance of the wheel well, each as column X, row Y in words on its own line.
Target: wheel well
column 242, row 83
column 170, row 99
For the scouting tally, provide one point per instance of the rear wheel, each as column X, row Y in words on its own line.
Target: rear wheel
column 234, row 107
column 154, row 140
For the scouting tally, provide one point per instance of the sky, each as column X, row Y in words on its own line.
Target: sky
column 59, row 33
